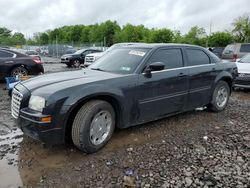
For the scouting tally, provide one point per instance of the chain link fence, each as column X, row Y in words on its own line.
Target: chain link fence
column 57, row 50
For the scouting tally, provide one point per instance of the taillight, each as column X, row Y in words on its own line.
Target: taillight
column 234, row 57
column 37, row 60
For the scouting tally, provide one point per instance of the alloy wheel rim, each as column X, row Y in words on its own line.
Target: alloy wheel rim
column 19, row 72
column 76, row 63
column 222, row 96
column 100, row 127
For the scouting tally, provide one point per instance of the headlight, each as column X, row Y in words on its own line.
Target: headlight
column 37, row 103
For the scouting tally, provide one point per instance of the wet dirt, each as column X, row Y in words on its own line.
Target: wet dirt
column 26, row 162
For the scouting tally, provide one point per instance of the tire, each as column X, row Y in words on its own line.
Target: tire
column 220, row 97
column 69, row 65
column 76, row 63
column 93, row 116
column 20, row 71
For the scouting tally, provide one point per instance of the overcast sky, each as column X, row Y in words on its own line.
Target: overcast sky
column 29, row 16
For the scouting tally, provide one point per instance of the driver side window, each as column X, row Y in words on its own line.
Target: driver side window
column 172, row 58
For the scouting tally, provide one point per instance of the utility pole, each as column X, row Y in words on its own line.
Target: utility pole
column 56, row 48
column 210, row 32
column 210, row 28
column 104, row 41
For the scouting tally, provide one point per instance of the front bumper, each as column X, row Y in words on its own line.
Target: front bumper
column 65, row 61
column 242, row 82
column 30, row 124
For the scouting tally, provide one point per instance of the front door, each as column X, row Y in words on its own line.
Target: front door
column 165, row 92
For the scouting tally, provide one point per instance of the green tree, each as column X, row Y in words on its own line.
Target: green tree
column 220, row 39
column 5, row 35
column 18, row 39
column 196, row 35
column 4, row 32
column 44, row 38
column 131, row 33
column 241, row 28
column 177, row 38
column 161, row 36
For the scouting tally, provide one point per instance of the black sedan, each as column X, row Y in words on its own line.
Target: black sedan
column 126, row 87
column 77, row 58
column 13, row 63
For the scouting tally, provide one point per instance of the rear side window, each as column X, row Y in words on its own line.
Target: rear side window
column 245, row 48
column 4, row 54
column 197, row 57
column 229, row 49
column 172, row 58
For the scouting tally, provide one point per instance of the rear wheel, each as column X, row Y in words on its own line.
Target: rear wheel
column 220, row 97
column 19, row 71
column 93, row 126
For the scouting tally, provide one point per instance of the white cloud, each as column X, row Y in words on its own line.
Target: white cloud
column 31, row 16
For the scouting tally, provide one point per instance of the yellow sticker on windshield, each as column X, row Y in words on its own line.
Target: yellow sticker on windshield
column 139, row 53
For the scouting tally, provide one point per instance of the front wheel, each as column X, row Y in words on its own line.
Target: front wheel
column 220, row 97
column 76, row 63
column 93, row 126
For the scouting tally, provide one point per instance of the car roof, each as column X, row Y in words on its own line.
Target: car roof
column 13, row 51
column 157, row 45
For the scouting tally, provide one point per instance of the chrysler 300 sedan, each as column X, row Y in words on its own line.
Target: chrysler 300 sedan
column 128, row 86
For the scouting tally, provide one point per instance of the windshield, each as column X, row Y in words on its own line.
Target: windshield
column 121, row 60
column 79, row 51
column 245, row 59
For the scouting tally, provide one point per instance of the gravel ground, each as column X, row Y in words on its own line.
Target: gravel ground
column 194, row 149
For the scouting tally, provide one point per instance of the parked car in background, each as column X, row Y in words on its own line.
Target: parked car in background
column 13, row 63
column 235, row 51
column 33, row 53
column 44, row 51
column 218, row 51
column 91, row 58
column 243, row 78
column 69, row 51
column 77, row 58
column 128, row 86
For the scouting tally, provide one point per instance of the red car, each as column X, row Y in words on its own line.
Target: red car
column 13, row 63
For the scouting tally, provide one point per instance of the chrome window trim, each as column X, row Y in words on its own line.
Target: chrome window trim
column 14, row 55
column 187, row 67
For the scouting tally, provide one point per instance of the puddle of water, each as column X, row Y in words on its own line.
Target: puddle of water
column 9, row 173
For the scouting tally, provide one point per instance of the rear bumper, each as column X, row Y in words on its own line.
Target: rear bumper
column 45, row 132
column 36, row 70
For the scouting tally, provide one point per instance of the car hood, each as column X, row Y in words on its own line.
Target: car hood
column 70, row 55
column 99, row 54
column 243, row 67
column 51, row 83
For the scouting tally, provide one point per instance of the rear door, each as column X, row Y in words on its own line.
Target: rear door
column 166, row 91
column 202, row 74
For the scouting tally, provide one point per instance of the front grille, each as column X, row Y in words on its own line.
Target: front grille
column 90, row 59
column 15, row 103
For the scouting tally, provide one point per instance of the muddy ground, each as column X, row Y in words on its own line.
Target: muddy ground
column 194, row 149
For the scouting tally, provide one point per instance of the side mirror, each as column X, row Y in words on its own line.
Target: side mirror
column 157, row 66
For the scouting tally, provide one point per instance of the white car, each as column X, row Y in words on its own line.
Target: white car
column 91, row 58
column 243, row 79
